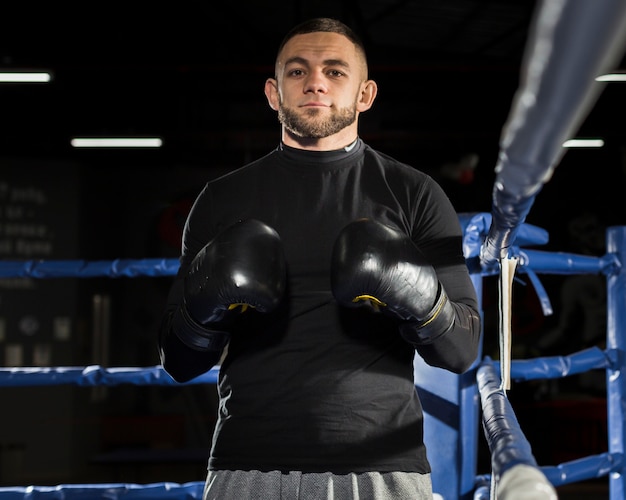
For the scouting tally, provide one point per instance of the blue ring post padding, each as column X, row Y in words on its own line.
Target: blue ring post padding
column 113, row 491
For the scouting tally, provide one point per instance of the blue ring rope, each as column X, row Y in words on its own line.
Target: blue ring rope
column 95, row 375
column 117, row 268
column 108, row 491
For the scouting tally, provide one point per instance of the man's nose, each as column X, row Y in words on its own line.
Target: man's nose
column 316, row 83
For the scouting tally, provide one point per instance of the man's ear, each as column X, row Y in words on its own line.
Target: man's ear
column 271, row 92
column 368, row 92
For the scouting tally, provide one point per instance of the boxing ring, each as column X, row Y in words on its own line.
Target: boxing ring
column 583, row 39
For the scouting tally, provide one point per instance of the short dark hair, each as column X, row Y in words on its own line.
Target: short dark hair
column 328, row 25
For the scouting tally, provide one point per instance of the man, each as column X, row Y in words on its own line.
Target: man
column 323, row 267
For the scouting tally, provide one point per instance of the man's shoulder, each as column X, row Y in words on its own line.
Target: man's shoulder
column 236, row 174
column 392, row 164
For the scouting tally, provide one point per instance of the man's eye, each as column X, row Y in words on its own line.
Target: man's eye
column 335, row 72
column 295, row 72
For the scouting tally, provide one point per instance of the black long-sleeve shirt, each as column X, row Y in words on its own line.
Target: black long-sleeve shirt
column 314, row 386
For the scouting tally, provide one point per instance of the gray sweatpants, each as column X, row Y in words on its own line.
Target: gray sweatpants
column 275, row 485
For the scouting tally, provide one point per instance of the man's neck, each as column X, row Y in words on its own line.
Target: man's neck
column 337, row 141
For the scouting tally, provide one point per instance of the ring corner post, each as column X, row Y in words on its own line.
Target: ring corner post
column 616, row 373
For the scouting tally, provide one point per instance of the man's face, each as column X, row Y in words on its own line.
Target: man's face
column 319, row 80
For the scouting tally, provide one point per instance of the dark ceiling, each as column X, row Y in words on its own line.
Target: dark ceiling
column 193, row 73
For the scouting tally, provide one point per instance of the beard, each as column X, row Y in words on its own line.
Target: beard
column 310, row 125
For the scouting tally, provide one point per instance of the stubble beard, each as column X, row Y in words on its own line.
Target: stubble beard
column 310, row 125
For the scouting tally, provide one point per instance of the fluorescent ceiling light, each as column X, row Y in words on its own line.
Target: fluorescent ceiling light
column 117, row 142
column 31, row 77
column 612, row 77
column 583, row 143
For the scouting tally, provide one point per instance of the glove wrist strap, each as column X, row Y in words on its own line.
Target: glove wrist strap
column 439, row 320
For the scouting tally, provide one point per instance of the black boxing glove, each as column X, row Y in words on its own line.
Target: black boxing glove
column 244, row 266
column 380, row 266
